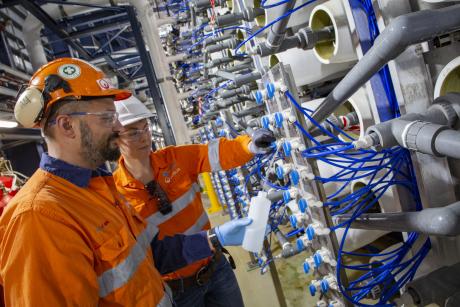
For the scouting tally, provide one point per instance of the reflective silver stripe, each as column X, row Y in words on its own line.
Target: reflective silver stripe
column 177, row 206
column 200, row 223
column 213, row 155
column 166, row 301
column 118, row 276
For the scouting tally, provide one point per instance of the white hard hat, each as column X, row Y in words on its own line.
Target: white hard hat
column 131, row 110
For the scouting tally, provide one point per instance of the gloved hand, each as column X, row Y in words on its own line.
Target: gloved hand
column 232, row 233
column 262, row 140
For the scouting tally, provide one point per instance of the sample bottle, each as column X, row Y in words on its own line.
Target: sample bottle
column 255, row 233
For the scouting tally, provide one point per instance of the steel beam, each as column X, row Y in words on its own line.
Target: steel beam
column 51, row 24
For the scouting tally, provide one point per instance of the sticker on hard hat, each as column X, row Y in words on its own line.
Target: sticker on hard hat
column 105, row 84
column 69, row 71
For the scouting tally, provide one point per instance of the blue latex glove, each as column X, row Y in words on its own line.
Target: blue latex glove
column 262, row 140
column 232, row 233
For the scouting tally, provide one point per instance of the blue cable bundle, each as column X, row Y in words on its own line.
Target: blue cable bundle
column 383, row 170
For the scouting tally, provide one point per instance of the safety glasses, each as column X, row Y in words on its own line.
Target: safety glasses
column 135, row 134
column 107, row 118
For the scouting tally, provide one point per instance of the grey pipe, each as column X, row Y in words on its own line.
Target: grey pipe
column 216, row 39
column 304, row 39
column 402, row 31
column 247, row 78
column 205, row 4
column 444, row 221
column 252, row 111
column 444, row 111
column 230, row 44
column 438, row 287
column 245, row 89
column 278, row 31
column 249, row 14
column 219, row 61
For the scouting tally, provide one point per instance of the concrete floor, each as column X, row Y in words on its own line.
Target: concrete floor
column 257, row 289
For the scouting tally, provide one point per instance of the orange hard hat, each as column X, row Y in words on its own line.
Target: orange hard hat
column 64, row 77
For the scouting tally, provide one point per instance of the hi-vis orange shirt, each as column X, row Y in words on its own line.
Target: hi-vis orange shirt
column 69, row 239
column 176, row 169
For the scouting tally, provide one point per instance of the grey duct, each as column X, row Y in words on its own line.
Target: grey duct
column 216, row 39
column 239, row 80
column 444, row 221
column 402, row 31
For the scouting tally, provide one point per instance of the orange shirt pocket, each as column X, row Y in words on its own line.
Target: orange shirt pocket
column 114, row 249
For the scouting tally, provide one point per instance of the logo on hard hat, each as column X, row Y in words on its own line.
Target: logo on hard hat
column 105, row 84
column 69, row 71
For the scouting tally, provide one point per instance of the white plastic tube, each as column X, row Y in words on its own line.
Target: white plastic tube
column 258, row 212
column 448, row 79
column 341, row 49
column 318, row 72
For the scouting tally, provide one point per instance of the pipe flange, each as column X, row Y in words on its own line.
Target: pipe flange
column 448, row 110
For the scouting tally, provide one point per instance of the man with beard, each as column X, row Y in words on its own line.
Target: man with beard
column 68, row 238
column 162, row 186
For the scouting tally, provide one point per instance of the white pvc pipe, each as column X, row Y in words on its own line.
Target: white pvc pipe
column 341, row 49
column 448, row 79
column 357, row 238
column 318, row 72
column 32, row 27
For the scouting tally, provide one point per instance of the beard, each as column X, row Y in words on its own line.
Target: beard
column 97, row 152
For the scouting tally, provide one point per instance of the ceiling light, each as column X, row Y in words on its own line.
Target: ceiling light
column 8, row 124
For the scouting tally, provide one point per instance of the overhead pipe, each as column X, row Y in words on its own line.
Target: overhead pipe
column 32, row 27
column 444, row 221
column 402, row 31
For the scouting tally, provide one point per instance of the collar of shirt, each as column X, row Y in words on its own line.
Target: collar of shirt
column 158, row 160
column 78, row 176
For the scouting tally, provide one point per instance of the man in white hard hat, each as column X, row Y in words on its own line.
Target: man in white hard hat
column 163, row 188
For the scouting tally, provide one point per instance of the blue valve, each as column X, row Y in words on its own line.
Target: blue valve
column 222, row 133
column 302, row 205
column 279, row 120
column 279, row 172
column 265, row 121
column 286, row 196
column 300, row 245
column 232, row 172
column 219, row 122
column 293, row 221
column 287, row 147
column 317, row 259
column 270, row 90
column 310, row 232
column 295, row 177
column 306, row 267
column 259, row 97
column 312, row 289
column 324, row 286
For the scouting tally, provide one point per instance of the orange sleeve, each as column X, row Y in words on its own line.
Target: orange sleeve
column 218, row 154
column 45, row 262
